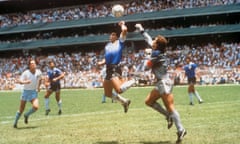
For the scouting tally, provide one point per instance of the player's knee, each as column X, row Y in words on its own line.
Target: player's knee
column 21, row 111
column 148, row 103
column 35, row 107
column 119, row 91
column 47, row 95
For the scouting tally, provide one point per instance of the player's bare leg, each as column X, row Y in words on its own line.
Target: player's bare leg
column 194, row 91
column 34, row 108
column 107, row 85
column 190, row 93
column 108, row 90
column 116, row 83
column 121, row 85
column 151, row 101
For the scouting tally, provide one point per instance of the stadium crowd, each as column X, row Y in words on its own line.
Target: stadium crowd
column 217, row 64
column 145, row 6
column 51, row 35
column 100, row 10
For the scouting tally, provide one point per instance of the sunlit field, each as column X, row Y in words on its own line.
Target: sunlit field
column 86, row 120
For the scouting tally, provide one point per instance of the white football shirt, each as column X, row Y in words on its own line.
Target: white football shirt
column 34, row 78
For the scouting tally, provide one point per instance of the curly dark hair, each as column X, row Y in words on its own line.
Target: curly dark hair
column 161, row 43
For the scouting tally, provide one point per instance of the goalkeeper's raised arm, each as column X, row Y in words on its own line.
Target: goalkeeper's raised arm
column 147, row 37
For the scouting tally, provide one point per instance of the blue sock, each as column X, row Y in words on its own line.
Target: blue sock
column 103, row 98
column 18, row 115
column 30, row 112
column 47, row 103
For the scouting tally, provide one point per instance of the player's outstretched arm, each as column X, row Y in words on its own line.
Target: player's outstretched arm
column 147, row 37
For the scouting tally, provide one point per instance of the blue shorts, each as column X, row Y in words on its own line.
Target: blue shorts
column 29, row 95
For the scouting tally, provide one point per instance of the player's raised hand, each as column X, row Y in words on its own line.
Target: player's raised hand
column 121, row 23
column 139, row 27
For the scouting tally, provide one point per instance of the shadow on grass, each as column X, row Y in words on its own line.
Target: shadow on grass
column 142, row 142
column 107, row 142
column 160, row 142
column 29, row 127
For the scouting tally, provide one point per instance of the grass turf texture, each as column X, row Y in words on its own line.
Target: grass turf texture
column 86, row 120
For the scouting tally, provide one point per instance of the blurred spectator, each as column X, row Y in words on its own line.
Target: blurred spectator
column 101, row 10
column 82, row 72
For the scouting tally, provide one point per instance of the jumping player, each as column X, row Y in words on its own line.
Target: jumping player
column 113, row 80
column 163, row 89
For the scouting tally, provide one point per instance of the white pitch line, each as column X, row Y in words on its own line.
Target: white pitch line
column 101, row 112
column 80, row 89
column 73, row 115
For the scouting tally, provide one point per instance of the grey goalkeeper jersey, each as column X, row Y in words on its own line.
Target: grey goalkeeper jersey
column 158, row 59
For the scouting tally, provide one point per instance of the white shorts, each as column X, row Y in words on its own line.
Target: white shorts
column 29, row 95
column 164, row 86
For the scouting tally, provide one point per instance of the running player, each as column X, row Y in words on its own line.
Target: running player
column 31, row 79
column 190, row 68
column 52, row 83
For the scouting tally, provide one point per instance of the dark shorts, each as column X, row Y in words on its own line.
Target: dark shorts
column 113, row 71
column 192, row 80
column 54, row 87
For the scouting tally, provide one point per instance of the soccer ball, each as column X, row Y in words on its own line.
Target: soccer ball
column 118, row 10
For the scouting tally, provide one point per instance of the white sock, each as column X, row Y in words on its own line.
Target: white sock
column 190, row 97
column 60, row 104
column 160, row 109
column 176, row 118
column 198, row 96
column 126, row 85
column 118, row 98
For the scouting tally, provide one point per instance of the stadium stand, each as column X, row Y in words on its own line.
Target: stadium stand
column 210, row 32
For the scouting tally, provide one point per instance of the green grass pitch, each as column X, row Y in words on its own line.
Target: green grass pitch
column 85, row 120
